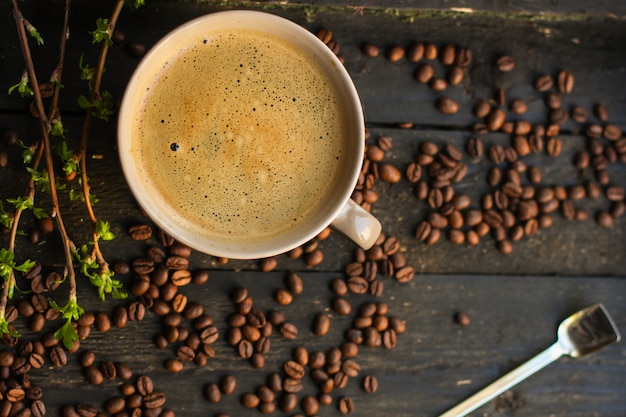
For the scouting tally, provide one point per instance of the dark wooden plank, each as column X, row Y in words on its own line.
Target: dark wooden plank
column 589, row 48
column 436, row 363
column 520, row 9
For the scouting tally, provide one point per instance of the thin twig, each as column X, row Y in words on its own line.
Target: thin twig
column 44, row 123
column 58, row 71
column 95, row 93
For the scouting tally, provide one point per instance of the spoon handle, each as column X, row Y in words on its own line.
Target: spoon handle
column 507, row 381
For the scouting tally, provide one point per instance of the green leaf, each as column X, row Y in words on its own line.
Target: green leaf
column 23, row 88
column 32, row 31
column 26, row 266
column 40, row 213
column 102, row 32
column 40, row 179
column 20, row 203
column 7, row 265
column 6, row 219
column 83, row 102
column 67, row 334
column 70, row 161
column 57, row 128
column 136, row 3
column 86, row 72
column 6, row 328
column 75, row 194
column 103, row 106
column 103, row 229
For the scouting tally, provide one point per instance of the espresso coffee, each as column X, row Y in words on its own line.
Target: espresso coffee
column 241, row 135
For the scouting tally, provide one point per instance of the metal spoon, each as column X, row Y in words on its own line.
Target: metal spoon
column 580, row 334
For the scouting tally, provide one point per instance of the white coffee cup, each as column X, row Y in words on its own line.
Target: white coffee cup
column 338, row 210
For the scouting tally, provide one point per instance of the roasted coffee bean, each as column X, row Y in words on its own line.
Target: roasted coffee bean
column 38, row 408
column 565, row 82
column 553, row 147
column 351, row 367
column 370, row 49
column 435, row 198
column 140, row 232
column 474, row 147
column 395, row 53
column 558, row 116
column 177, row 262
column 321, row 324
column 135, row 48
column 294, row 370
column 534, row 175
column 212, row 393
column 424, row 73
column 494, row 176
column 288, row 330
column 93, row 375
column 339, row 287
column 455, row 75
column 578, row 114
column 518, row 106
column 500, row 97
column 553, row 101
column 463, row 57
column 437, row 84
column 615, row 193
column 424, row 229
column 181, row 277
column 430, row 51
column 108, row 370
column 239, row 295
column 85, row 410
column 58, row 356
column 345, row 405
column 405, row 274
column 174, row 365
column 544, row 83
column 447, row 54
column 136, row 311
column 496, row 154
column 447, row 105
column 389, row 173
column 437, row 220
column 144, row 385
column 283, row 296
column 342, row 306
column 618, row 208
column 495, row 119
column 309, row 405
column 604, row 219
column 415, row 52
column 292, row 385
column 357, row 285
column 114, row 405
column 601, row 112
column 505, row 63
column 143, row 266
column 155, row 399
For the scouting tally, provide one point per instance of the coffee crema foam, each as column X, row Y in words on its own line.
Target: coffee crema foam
column 241, row 135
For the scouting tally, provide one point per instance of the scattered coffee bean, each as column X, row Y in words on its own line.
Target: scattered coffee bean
column 446, row 105
column 505, row 63
column 395, row 53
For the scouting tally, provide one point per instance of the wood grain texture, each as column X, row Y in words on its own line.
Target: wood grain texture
column 515, row 302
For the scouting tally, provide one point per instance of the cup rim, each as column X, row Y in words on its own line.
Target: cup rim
column 271, row 246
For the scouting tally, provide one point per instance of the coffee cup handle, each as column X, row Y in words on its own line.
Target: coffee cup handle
column 357, row 224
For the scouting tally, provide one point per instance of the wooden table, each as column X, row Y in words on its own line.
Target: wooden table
column 514, row 301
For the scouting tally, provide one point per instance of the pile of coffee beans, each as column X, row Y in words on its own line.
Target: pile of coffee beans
column 522, row 201
column 138, row 398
